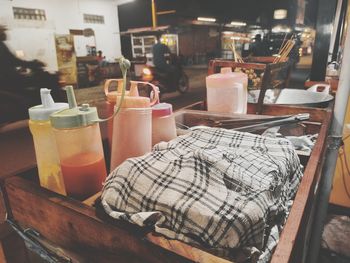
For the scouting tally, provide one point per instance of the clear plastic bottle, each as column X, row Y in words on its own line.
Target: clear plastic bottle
column 79, row 144
column 132, row 126
column 227, row 91
column 50, row 175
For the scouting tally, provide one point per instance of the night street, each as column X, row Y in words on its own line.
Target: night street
column 109, row 155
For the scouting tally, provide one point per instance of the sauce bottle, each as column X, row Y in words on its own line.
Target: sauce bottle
column 50, row 175
column 132, row 126
column 111, row 100
column 227, row 91
column 163, row 123
column 79, row 145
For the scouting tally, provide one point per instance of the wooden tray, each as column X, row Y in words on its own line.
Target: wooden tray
column 87, row 235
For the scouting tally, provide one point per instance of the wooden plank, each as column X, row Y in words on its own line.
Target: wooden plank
column 316, row 114
column 178, row 247
column 71, row 224
column 219, row 63
column 187, row 251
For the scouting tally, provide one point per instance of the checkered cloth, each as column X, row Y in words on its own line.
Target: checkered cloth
column 214, row 187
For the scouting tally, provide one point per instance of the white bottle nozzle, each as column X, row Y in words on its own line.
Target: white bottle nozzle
column 48, row 106
column 46, row 99
column 71, row 97
column 134, row 92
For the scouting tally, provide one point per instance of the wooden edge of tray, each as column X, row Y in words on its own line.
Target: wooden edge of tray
column 73, row 225
column 178, row 247
column 302, row 206
column 316, row 114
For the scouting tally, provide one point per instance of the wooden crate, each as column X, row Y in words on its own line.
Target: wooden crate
column 86, row 235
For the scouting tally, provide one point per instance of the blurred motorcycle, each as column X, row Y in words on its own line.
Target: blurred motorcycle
column 19, row 94
column 167, row 82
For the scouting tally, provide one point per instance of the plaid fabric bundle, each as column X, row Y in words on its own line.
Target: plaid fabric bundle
column 215, row 187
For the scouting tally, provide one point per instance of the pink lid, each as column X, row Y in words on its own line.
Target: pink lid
column 162, row 110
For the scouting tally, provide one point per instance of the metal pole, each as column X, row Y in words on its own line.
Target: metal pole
column 335, row 29
column 154, row 14
column 332, row 153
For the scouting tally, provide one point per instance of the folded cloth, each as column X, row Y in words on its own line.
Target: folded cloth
column 214, row 187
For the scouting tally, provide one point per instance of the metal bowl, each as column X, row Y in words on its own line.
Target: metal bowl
column 292, row 97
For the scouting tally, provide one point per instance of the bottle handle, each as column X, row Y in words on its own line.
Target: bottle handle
column 314, row 88
column 155, row 90
column 108, row 83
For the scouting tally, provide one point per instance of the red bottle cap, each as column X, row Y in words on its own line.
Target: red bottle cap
column 162, row 110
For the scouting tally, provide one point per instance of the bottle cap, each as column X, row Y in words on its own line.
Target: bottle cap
column 75, row 116
column 48, row 106
column 162, row 110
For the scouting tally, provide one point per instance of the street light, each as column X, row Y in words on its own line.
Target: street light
column 206, row 19
column 238, row 23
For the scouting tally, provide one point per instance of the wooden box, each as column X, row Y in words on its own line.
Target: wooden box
column 84, row 234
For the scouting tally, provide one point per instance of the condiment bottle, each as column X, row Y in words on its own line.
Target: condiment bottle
column 50, row 175
column 79, row 144
column 163, row 123
column 111, row 100
column 227, row 91
column 132, row 126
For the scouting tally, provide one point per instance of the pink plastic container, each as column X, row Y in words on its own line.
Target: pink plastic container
column 132, row 126
column 227, row 91
column 111, row 100
column 163, row 123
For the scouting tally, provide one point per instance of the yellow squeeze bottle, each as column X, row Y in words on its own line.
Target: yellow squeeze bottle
column 49, row 168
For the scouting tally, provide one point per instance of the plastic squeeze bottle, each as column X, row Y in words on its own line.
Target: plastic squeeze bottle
column 111, row 100
column 79, row 145
column 227, row 91
column 132, row 126
column 49, row 169
column 163, row 123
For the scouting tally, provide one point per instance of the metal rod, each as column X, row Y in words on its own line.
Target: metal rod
column 332, row 153
column 154, row 14
column 166, row 12
column 266, row 125
column 335, row 29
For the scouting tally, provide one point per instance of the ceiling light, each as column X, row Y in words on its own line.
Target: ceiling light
column 237, row 23
column 280, row 14
column 206, row 19
column 281, row 29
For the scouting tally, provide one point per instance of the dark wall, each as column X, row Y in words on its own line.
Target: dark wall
column 194, row 40
column 324, row 26
column 138, row 13
column 135, row 14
